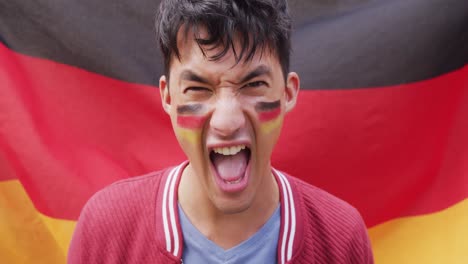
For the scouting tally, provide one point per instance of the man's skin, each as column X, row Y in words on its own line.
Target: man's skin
column 215, row 104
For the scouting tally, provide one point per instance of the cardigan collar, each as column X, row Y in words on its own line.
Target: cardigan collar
column 168, row 229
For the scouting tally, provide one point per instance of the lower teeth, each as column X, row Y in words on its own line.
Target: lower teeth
column 234, row 182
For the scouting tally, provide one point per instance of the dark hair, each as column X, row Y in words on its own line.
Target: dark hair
column 259, row 23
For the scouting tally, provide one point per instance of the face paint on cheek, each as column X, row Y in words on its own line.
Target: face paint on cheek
column 268, row 114
column 190, row 121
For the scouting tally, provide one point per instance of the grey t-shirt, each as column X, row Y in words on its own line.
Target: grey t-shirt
column 259, row 248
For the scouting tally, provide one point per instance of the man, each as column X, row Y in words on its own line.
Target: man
column 227, row 88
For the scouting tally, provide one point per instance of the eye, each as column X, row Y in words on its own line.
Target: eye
column 196, row 89
column 255, row 84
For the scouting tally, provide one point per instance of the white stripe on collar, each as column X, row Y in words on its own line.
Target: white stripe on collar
column 169, row 200
column 289, row 230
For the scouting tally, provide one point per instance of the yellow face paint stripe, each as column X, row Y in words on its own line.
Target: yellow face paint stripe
column 190, row 135
column 27, row 236
column 430, row 239
column 269, row 126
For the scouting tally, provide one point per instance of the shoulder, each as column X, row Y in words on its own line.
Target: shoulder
column 331, row 225
column 325, row 205
column 123, row 194
column 123, row 197
column 117, row 213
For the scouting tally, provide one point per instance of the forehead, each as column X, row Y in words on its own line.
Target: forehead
column 193, row 55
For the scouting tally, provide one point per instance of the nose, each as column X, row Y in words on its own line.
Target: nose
column 227, row 117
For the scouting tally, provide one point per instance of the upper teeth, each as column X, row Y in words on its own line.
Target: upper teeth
column 229, row 150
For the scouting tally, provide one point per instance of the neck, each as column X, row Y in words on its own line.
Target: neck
column 226, row 229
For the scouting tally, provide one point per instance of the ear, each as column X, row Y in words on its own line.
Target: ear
column 292, row 90
column 165, row 95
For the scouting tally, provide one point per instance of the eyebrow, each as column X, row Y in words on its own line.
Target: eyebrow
column 189, row 75
column 260, row 70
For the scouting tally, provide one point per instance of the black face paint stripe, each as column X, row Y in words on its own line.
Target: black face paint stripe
column 267, row 106
column 189, row 109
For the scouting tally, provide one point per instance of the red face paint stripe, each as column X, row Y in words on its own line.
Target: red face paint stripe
column 188, row 116
column 191, row 122
column 269, row 115
column 268, row 111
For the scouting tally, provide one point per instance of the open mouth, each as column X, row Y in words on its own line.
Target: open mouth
column 230, row 165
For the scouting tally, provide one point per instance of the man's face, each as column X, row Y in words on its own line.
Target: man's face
column 227, row 118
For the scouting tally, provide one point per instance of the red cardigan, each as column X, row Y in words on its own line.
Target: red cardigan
column 136, row 221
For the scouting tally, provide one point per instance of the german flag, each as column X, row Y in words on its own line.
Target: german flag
column 381, row 121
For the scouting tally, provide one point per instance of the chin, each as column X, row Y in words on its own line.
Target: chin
column 232, row 207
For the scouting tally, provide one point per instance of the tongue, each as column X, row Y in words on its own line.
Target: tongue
column 231, row 167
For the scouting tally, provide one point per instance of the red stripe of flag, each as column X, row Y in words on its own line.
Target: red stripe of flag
column 391, row 152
